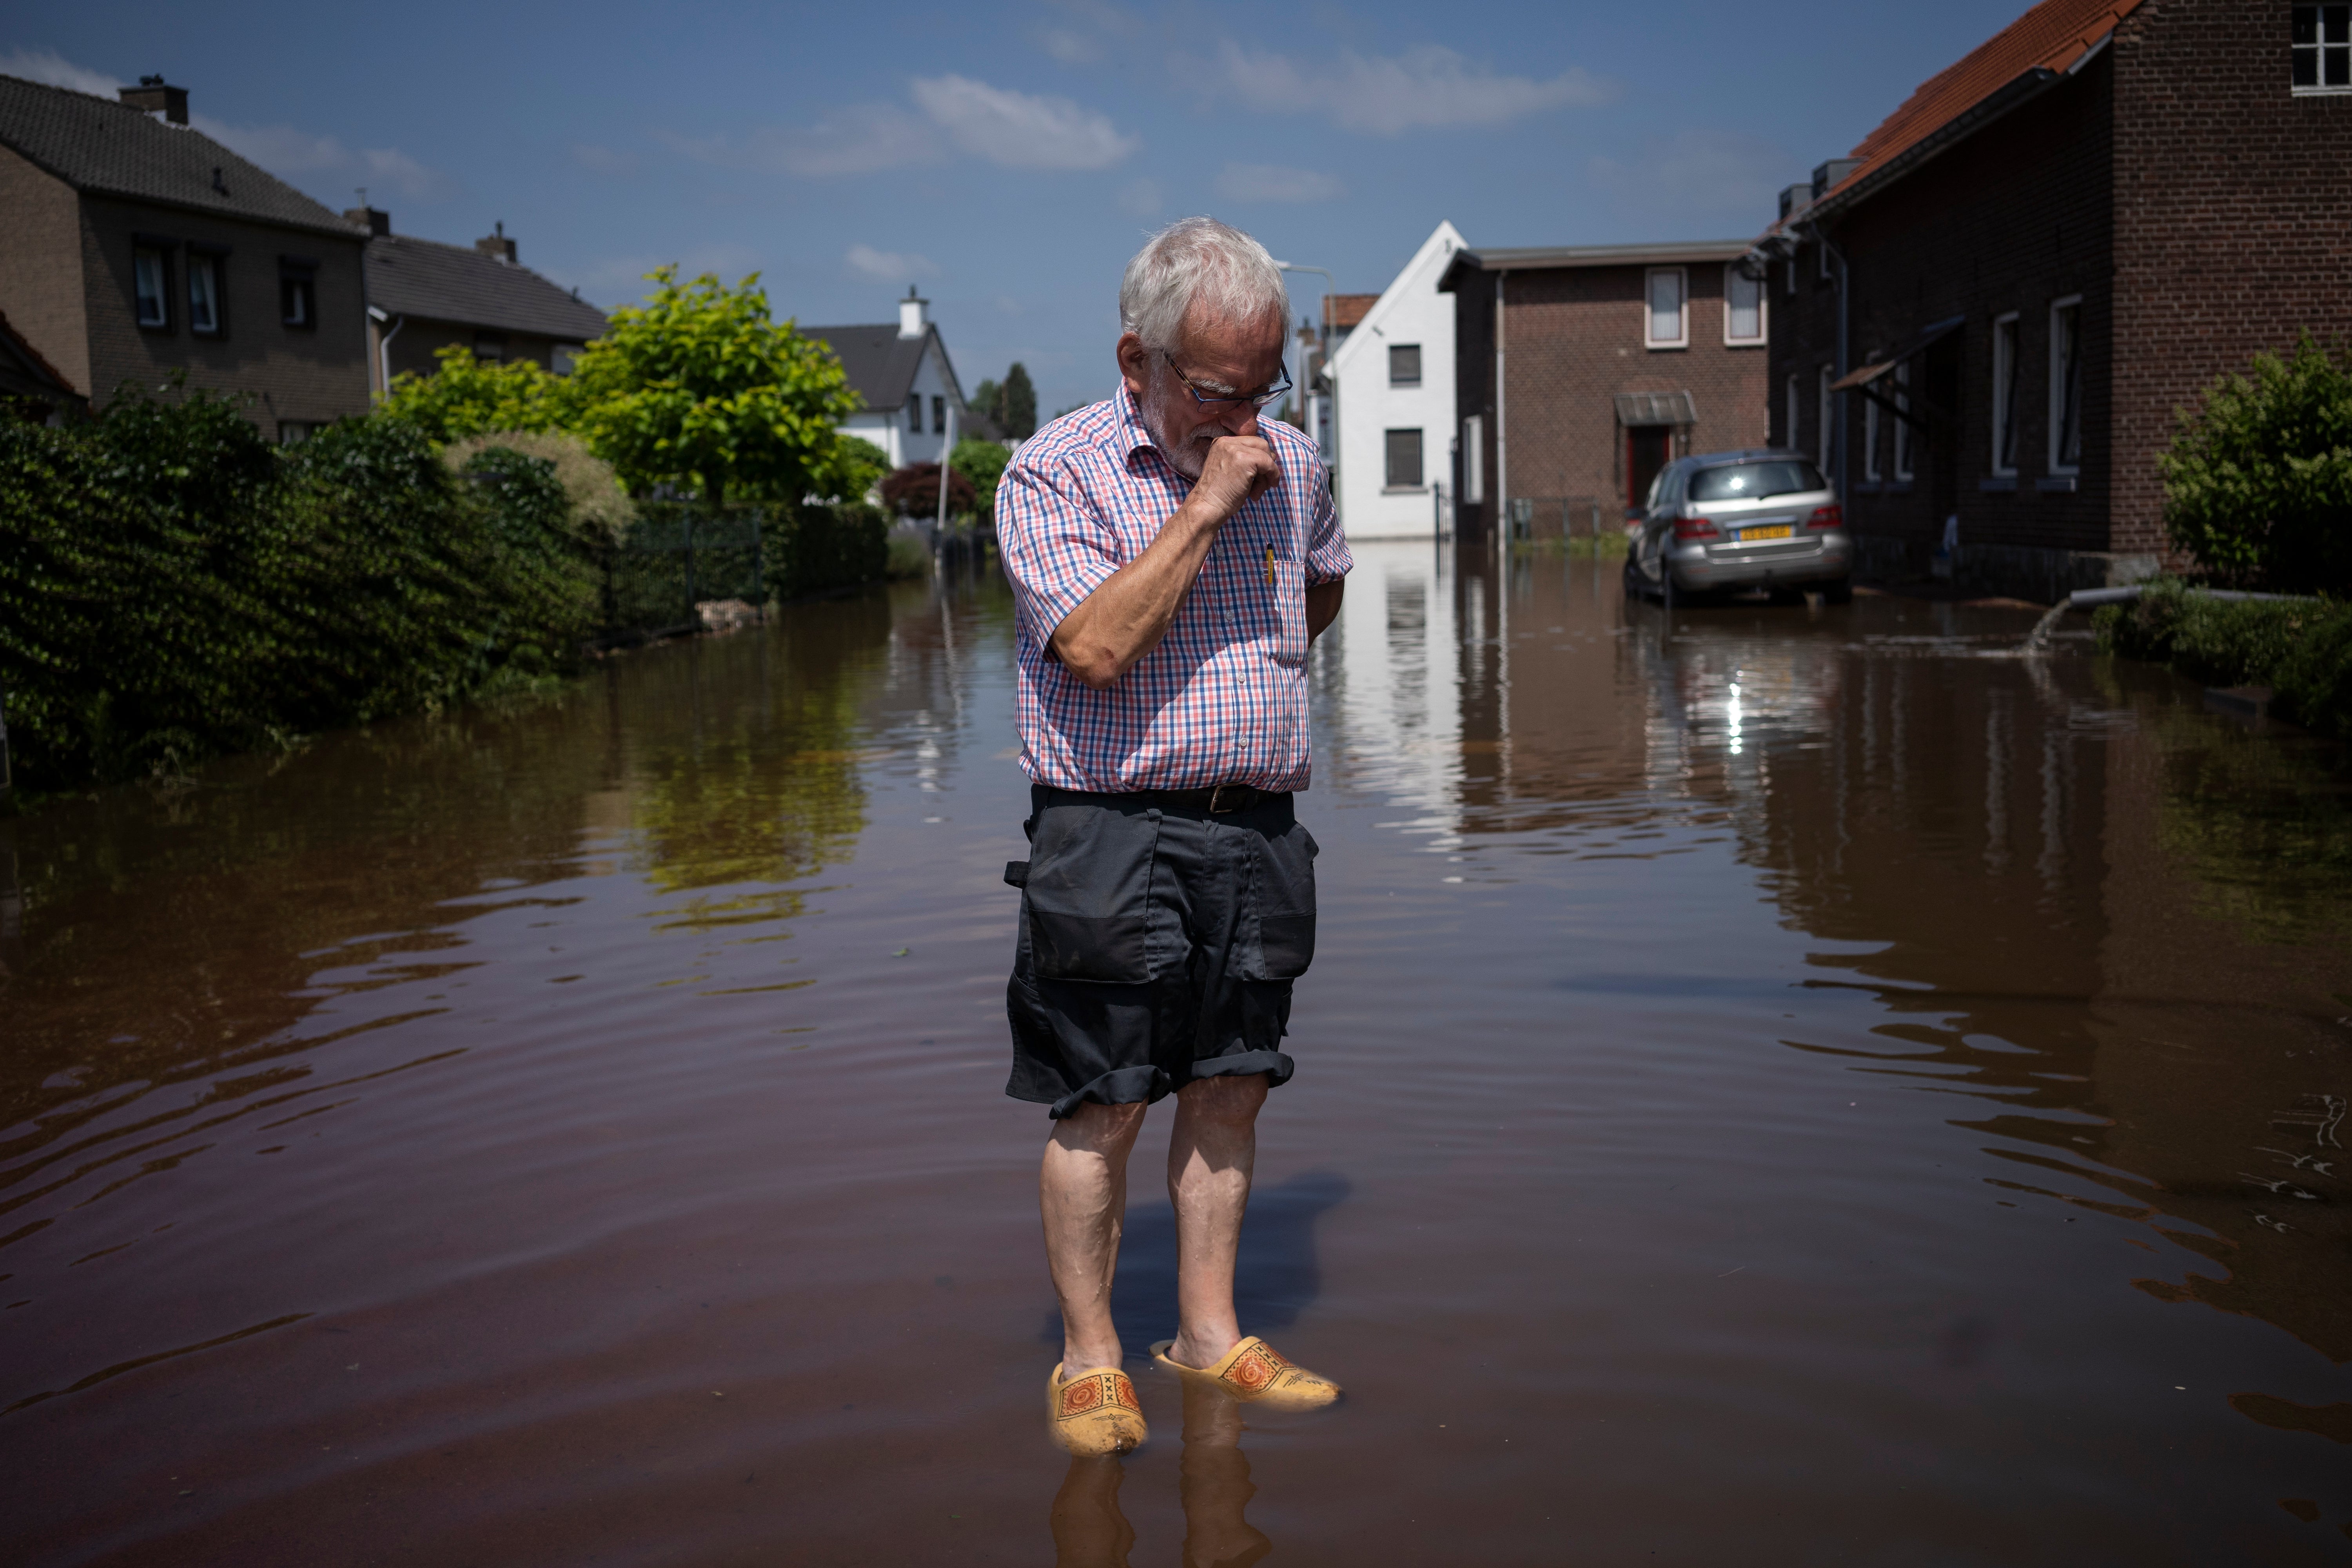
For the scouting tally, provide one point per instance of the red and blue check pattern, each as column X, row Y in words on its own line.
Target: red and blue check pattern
column 1223, row 698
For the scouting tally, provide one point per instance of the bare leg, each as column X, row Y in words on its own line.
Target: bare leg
column 1211, row 1152
column 1082, row 1192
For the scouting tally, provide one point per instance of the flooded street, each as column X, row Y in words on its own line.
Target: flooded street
column 1776, row 1085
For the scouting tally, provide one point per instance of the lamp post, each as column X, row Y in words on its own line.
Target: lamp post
column 1307, row 394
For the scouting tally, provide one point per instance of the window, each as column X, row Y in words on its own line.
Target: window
column 2004, row 394
column 150, row 272
column 1822, row 260
column 1474, row 459
column 1902, row 426
column 567, row 357
column 2066, row 385
column 2323, row 49
column 1404, row 364
column 1870, row 439
column 1755, row 481
column 1743, row 306
column 1828, row 414
column 490, row 348
column 1789, row 277
column 1789, row 416
column 298, row 301
column 294, row 432
column 1404, row 459
column 203, row 294
column 914, row 415
column 1666, row 324
column 938, row 414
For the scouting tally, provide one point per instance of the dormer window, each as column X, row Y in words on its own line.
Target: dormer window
column 2323, row 49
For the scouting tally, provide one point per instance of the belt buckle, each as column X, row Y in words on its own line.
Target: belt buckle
column 1217, row 793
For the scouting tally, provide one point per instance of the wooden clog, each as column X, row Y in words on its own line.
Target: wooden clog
column 1254, row 1371
column 1093, row 1413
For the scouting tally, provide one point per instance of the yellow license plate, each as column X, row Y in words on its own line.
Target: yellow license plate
column 1778, row 531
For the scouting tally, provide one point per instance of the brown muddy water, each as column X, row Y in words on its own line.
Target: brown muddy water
column 1777, row 1086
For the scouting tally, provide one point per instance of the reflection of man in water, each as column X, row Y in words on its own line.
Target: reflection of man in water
column 1171, row 558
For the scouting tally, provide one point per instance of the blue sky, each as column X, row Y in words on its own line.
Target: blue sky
column 1009, row 158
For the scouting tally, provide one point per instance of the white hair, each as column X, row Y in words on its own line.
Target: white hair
column 1198, row 261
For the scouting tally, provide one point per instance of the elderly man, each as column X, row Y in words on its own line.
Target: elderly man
column 1172, row 558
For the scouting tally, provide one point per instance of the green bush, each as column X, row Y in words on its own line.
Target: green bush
column 2300, row 649
column 826, row 548
column 2258, row 485
column 172, row 586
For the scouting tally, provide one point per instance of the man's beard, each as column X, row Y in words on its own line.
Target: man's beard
column 1193, row 455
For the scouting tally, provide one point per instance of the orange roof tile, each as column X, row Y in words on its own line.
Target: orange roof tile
column 2054, row 34
column 1344, row 311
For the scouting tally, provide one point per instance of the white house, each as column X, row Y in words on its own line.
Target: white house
column 1391, row 381
column 904, row 374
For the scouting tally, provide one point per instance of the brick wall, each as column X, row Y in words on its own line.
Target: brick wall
column 2010, row 219
column 40, row 266
column 2234, row 219
column 302, row 374
column 1573, row 340
column 419, row 340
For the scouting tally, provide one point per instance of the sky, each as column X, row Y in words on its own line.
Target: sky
column 1007, row 159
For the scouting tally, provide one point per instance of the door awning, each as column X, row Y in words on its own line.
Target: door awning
column 1917, row 346
column 1655, row 408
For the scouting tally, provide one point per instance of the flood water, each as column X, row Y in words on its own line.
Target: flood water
column 1776, row 1085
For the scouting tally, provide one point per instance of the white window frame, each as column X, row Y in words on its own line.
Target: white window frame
column 2006, row 365
column 1828, row 417
column 1650, row 339
column 2058, row 464
column 1794, row 405
column 2320, row 47
column 1732, row 277
column 1902, row 431
column 1870, row 440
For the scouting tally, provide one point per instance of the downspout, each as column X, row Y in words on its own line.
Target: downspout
column 1841, row 447
column 384, row 345
column 1502, row 460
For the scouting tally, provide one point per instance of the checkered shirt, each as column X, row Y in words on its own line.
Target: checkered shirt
column 1222, row 698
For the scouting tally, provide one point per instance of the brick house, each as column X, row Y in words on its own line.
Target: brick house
column 1992, row 311
column 423, row 296
column 135, row 246
column 1581, row 371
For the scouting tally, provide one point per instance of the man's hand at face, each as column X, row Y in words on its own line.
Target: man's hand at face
column 1240, row 468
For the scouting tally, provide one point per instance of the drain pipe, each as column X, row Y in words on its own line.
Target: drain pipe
column 384, row 343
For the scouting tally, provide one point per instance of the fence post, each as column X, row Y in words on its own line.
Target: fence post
column 759, row 561
column 686, row 513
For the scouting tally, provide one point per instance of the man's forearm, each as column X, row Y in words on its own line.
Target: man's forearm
column 1323, row 604
column 1125, row 618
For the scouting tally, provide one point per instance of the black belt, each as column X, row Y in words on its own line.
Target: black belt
column 1218, row 799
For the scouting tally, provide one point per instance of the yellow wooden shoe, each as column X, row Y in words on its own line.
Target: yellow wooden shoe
column 1254, row 1371
column 1093, row 1413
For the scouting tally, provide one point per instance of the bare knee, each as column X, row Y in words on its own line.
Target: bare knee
column 1232, row 1102
column 1102, row 1128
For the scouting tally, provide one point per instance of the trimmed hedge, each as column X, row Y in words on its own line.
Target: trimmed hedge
column 172, row 586
column 2301, row 649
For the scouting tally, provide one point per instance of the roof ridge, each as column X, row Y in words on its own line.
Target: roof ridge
column 74, row 91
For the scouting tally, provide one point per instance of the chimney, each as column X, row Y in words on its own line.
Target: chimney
column 1829, row 174
column 155, row 96
column 913, row 315
column 498, row 246
column 373, row 219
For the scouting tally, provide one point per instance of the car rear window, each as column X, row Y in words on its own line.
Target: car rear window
column 1751, row 481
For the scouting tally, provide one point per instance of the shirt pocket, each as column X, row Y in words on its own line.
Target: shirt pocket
column 1087, row 897
column 1283, row 619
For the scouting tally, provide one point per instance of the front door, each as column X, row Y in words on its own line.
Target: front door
column 1646, row 451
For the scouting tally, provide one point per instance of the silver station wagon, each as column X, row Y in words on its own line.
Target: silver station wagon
column 1726, row 521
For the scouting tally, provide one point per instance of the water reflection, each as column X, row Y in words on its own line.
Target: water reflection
column 1214, row 1488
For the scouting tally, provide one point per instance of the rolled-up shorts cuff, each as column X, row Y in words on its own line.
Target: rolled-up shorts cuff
column 1150, row 1085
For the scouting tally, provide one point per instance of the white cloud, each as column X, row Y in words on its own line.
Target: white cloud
column 888, row 265
column 1273, row 183
column 1020, row 129
column 605, row 160
column 48, row 66
column 1426, row 85
column 302, row 158
column 860, row 139
column 1698, row 171
column 623, row 277
column 1070, row 47
column 1142, row 197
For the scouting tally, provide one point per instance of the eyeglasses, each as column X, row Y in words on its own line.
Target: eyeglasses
column 1254, row 399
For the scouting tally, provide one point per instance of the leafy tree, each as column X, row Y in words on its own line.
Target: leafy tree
column 1018, row 412
column 699, row 388
column 2258, row 484
column 988, row 400
column 859, row 467
column 914, row 490
column 468, row 396
column 982, row 463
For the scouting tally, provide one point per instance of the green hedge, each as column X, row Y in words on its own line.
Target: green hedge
column 172, row 586
column 2300, row 649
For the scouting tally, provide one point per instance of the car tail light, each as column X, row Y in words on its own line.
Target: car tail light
column 1827, row 517
column 1695, row 528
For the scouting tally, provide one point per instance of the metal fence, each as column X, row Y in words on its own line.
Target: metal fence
column 1538, row 517
column 677, row 555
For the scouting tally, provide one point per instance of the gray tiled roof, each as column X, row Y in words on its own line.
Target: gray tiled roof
column 880, row 363
column 94, row 145
column 410, row 277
